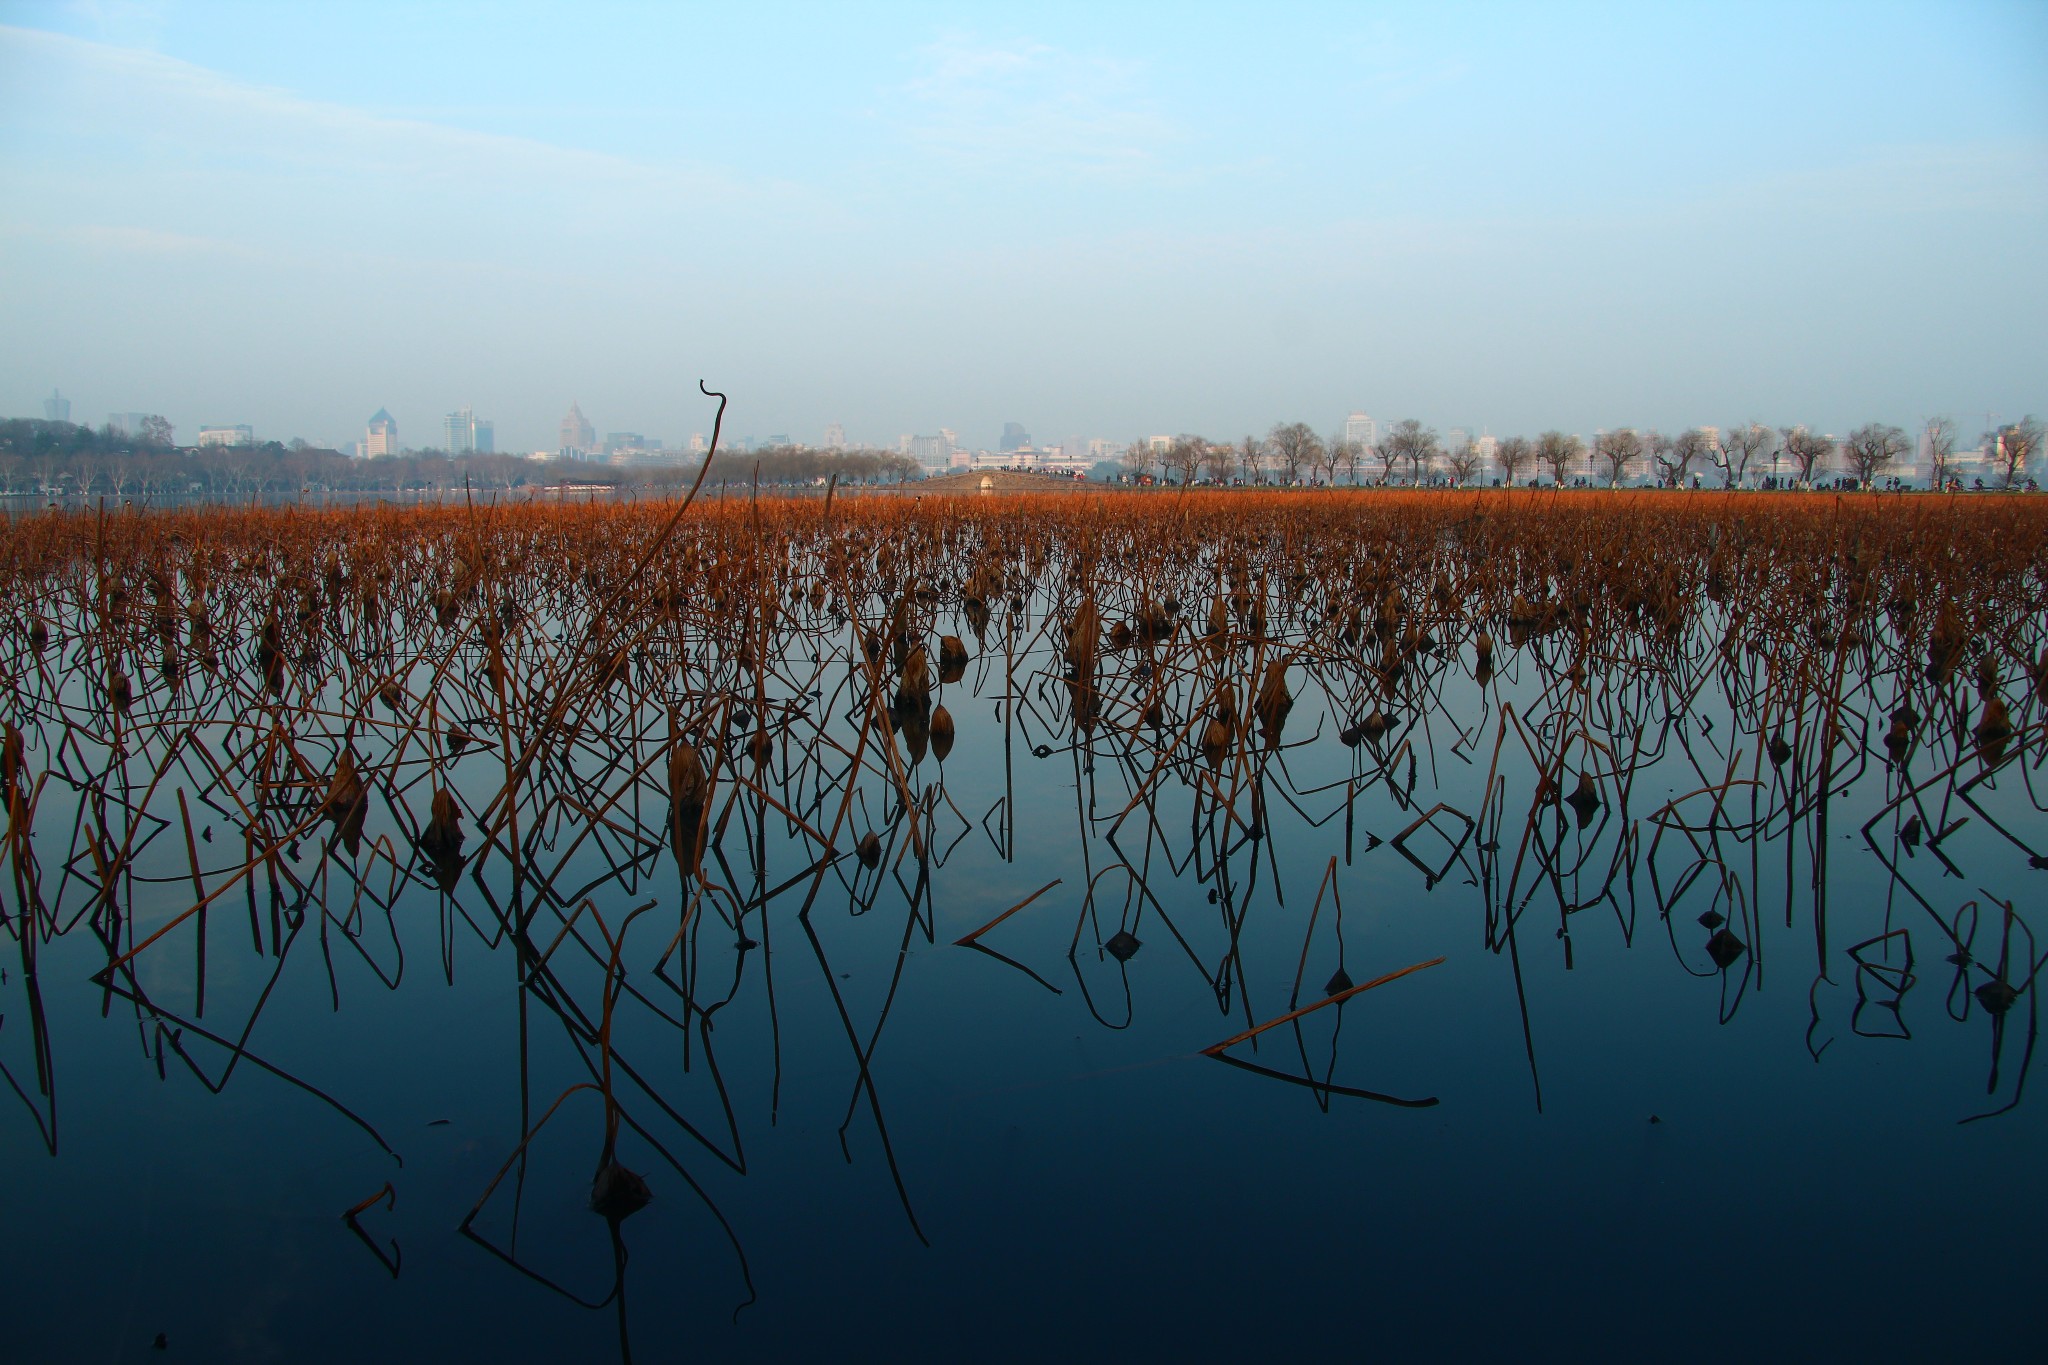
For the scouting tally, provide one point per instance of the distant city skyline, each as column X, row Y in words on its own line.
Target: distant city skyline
column 1081, row 219
column 463, row 432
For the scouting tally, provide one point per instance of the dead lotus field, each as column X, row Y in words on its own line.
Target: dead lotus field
column 706, row 776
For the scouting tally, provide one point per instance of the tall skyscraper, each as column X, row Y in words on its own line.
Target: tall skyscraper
column 578, row 436
column 56, row 408
column 486, row 436
column 381, row 438
column 1014, row 437
column 460, row 430
column 835, row 436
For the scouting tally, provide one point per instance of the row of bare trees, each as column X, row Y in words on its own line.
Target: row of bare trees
column 1293, row 453
column 1290, row 453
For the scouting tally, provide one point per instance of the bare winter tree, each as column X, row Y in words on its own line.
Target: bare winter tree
column 1657, row 449
column 1618, row 450
column 1336, row 451
column 1295, row 446
column 1249, row 453
column 1681, row 452
column 1183, row 459
column 1738, row 447
column 1513, row 454
column 1463, row 462
column 1871, row 447
column 1354, row 455
column 1388, row 454
column 2012, row 445
column 1941, row 451
column 1806, row 450
column 1412, row 443
column 1222, row 455
column 1137, row 458
column 1559, row 451
column 1422, row 456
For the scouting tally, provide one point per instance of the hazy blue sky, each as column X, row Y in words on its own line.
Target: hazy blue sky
column 906, row 216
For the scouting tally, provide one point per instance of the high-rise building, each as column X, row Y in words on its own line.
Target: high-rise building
column 127, row 423
column 1014, row 437
column 835, row 436
column 381, row 438
column 56, row 408
column 933, row 452
column 578, row 436
column 1362, row 429
column 697, row 444
column 239, row 435
column 464, row 434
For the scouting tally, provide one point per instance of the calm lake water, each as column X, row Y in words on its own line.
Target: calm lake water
column 1705, row 1067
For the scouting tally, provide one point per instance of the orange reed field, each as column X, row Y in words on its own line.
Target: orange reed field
column 538, row 611
column 321, row 635
column 314, row 655
column 283, row 603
